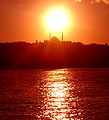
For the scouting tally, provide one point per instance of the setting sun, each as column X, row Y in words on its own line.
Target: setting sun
column 57, row 20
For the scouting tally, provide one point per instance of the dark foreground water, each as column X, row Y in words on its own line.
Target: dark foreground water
column 60, row 94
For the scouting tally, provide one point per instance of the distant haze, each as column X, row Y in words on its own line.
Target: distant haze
column 21, row 20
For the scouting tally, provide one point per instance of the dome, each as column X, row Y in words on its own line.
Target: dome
column 54, row 40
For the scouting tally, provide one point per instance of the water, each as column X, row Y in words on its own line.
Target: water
column 59, row 94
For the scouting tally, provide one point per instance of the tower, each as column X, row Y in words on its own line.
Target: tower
column 49, row 35
column 62, row 37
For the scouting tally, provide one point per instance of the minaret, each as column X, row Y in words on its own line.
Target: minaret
column 49, row 35
column 62, row 37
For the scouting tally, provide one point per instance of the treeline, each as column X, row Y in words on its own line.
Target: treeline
column 52, row 54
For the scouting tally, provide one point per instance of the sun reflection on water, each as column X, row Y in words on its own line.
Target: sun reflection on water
column 59, row 101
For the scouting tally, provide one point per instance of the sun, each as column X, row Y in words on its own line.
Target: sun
column 57, row 20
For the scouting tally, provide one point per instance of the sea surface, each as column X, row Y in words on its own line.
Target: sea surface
column 54, row 94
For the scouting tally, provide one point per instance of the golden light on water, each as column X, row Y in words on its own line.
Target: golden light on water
column 57, row 93
column 60, row 104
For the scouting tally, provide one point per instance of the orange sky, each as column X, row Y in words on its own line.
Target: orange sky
column 22, row 20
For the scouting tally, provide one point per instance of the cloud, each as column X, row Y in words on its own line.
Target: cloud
column 98, row 1
column 106, row 1
column 78, row 0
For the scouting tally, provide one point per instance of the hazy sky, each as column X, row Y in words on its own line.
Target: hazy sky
column 22, row 20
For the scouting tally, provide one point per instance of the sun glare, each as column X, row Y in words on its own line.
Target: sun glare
column 57, row 20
